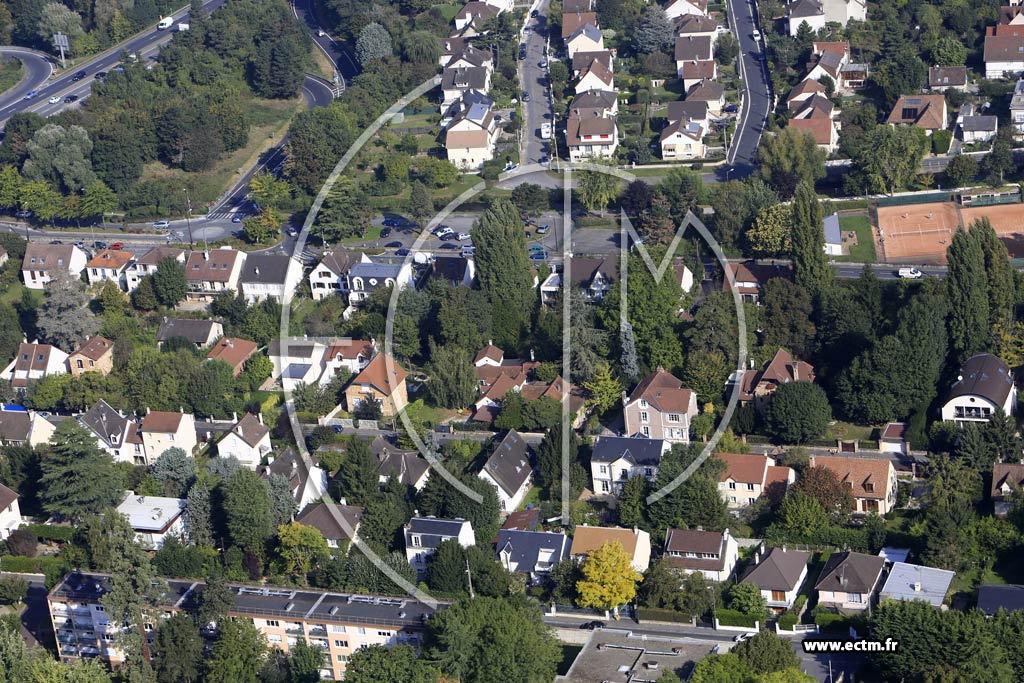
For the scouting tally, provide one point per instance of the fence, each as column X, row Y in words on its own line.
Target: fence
column 989, row 198
column 916, row 198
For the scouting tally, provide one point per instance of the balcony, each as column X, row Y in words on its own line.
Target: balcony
column 317, row 630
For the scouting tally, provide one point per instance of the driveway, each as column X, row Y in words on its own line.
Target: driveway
column 756, row 94
column 533, row 79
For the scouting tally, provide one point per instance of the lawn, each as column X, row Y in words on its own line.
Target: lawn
column 849, row 431
column 447, row 11
column 11, row 73
column 864, row 250
column 268, row 119
column 532, row 499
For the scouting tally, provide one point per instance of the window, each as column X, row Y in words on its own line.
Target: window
column 604, row 487
column 80, row 363
column 335, row 628
column 643, row 416
column 732, row 486
column 385, row 634
column 643, row 403
column 855, row 598
column 603, row 469
column 271, row 623
column 99, row 608
column 361, row 631
column 750, row 487
column 869, row 487
column 341, row 643
column 646, row 431
column 415, row 541
column 648, row 472
column 778, row 596
column 343, row 659
column 674, row 417
column 732, row 499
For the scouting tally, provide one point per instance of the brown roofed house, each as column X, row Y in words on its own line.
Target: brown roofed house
column 161, row 431
column 943, row 77
column 757, row 386
column 822, row 130
column 248, row 440
column 750, row 278
column 872, row 481
column 109, row 264
column 635, row 542
column 95, row 355
column 924, row 111
column 233, row 351
column 381, row 381
column 573, row 20
column 1006, row 478
column 338, row 524
column 711, row 553
column 660, row 408
column 214, row 270
column 748, row 477
column 33, row 362
column 779, row 575
column 849, row 582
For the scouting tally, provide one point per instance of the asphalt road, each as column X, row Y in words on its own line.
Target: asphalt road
column 145, row 44
column 533, row 80
column 39, row 67
column 756, row 95
column 337, row 51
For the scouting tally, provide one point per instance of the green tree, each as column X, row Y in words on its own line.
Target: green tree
column 605, row 389
column 64, row 320
column 889, row 156
column 305, row 662
column 38, row 197
column 300, row 546
column 633, row 502
column 169, row 284
column 747, row 599
column 902, row 71
column 358, row 478
column 237, row 654
column 491, row 639
column 766, row 653
column 787, row 317
column 503, row 270
column 798, row 412
column 77, row 477
column 998, row 271
column 727, row 668
column 967, row 292
column 609, row 579
column 98, row 200
column 531, row 199
column 597, row 190
column 268, row 191
column 654, row 31
column 374, row 663
column 948, row 51
column 60, row 156
column 822, row 484
column 57, row 18
column 446, row 568
column 175, row 470
column 453, row 382
column 247, row 510
column 373, row 44
column 197, row 516
column 810, row 266
column 177, row 650
column 999, row 162
column 771, row 234
column 345, row 212
column 961, row 170
column 789, row 158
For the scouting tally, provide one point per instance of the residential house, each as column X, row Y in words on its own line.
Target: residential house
column 451, row 47
column 19, row 425
column 247, row 439
column 684, row 278
column 306, row 479
column 823, row 130
column 471, row 19
column 750, row 278
column 619, row 655
column 508, row 470
column 573, row 21
column 779, row 573
column 351, row 355
column 33, row 362
column 470, row 138
column 154, row 519
column 115, row 433
column 635, row 542
column 108, row 264
column 833, row 235
column 1006, row 476
column 496, row 376
column 555, row 390
column 523, row 520
column 457, row 80
column 595, row 77
column 531, row 552
column 815, row 107
column 575, row 6
column 748, row 477
column 424, row 534
column 587, row 38
column 583, row 61
column 269, row 276
column 687, row 110
column 682, row 140
column 147, row 264
column 597, row 100
column 381, row 381
column 872, row 481
column 1012, row 14
column 407, row 467
column 993, row 597
column 757, row 386
column 339, row 624
column 364, row 278
column 803, row 91
column 697, row 25
column 923, row 111
column 162, row 430
column 692, row 53
column 854, row 76
column 710, row 553
column 467, row 56
column 984, row 385
column 976, row 128
column 233, row 351
column 828, row 59
column 595, row 276
column 708, row 92
column 213, row 271
column 95, row 355
column 1017, row 110
column 844, row 11
column 338, row 524
column 616, row 459
column 681, row 8
column 914, row 582
column 42, row 260
column 329, row 276
column 893, row 438
column 1004, row 51
column 849, row 581
column 10, row 512
column 297, row 361
column 591, row 133
column 202, row 333
column 810, row 12
column 461, row 106
column 942, row 78
column 457, row 271
column 660, row 408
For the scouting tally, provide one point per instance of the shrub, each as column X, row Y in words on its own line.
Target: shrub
column 22, row 542
column 787, row 622
column 51, row 532
column 830, row 620
column 799, row 603
column 730, row 617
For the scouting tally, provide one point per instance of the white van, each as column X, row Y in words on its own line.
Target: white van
column 165, row 23
column 910, row 273
column 468, row 250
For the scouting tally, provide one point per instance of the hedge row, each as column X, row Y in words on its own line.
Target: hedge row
column 51, row 532
column 659, row 614
column 51, row 566
column 730, row 617
column 787, row 621
column 831, row 620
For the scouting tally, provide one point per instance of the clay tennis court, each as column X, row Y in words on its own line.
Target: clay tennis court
column 922, row 232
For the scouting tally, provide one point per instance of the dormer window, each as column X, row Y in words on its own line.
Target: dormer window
column 869, row 487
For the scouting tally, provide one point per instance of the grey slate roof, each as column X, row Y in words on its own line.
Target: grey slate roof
column 643, row 452
column 524, row 546
column 687, row 110
column 381, row 271
column 267, row 269
column 15, row 425
column 105, row 422
column 994, row 597
column 850, row 572
column 902, row 579
column 405, row 466
column 594, row 99
column 833, row 233
column 588, row 30
column 509, row 464
column 433, row 531
column 982, row 124
column 196, row 331
column 983, row 375
column 464, row 77
column 779, row 570
column 321, row 516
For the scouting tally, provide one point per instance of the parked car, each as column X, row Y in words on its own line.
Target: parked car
column 730, row 109
column 70, row 98
column 80, row 245
column 162, row 225
column 538, row 255
column 526, row 96
column 292, row 232
column 236, row 218
column 910, row 273
column 463, row 236
column 392, row 222
column 534, row 14
column 438, row 229
column 99, row 245
column 591, row 625
column 536, row 247
column 385, row 232
column 544, row 63
column 448, row 245
column 742, row 636
column 116, row 246
column 393, row 245
column 402, row 252
column 756, row 35
column 543, row 230
column 100, row 75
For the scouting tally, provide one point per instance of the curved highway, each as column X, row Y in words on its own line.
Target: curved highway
column 39, row 66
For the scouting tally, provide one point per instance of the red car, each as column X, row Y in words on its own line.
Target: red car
column 116, row 246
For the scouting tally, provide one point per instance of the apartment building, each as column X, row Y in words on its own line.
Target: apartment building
column 338, row 623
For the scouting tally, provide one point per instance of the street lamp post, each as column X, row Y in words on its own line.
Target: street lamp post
column 188, row 216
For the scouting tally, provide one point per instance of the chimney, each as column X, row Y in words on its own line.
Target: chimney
column 234, row 417
column 147, row 410
column 259, row 416
column 342, row 501
column 917, row 586
column 796, row 370
column 625, row 398
column 532, row 358
column 256, row 270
